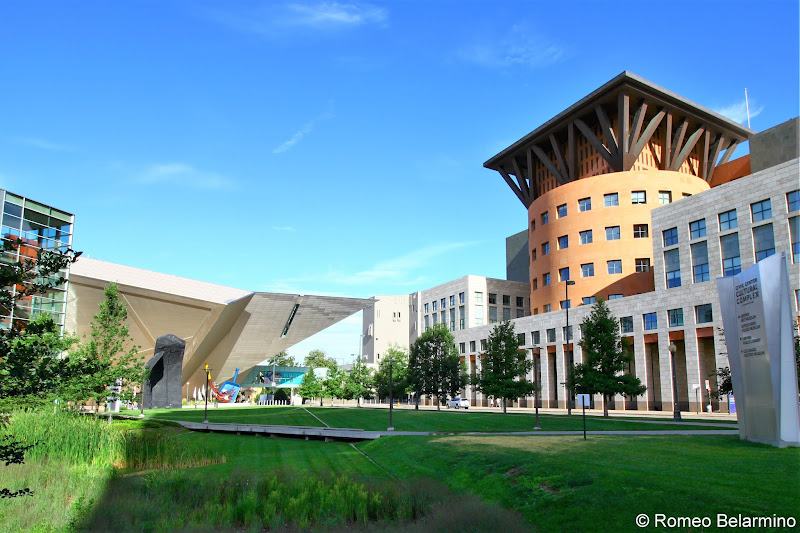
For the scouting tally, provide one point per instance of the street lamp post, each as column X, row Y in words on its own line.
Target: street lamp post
column 568, row 354
column 536, row 385
column 391, row 396
column 208, row 378
column 187, row 393
column 676, row 408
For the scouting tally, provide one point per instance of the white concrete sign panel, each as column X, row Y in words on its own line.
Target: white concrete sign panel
column 756, row 315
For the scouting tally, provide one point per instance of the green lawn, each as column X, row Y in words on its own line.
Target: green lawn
column 603, row 483
column 410, row 419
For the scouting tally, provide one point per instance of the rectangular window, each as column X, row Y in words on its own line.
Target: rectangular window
column 533, row 255
column 435, row 319
column 761, row 210
column 794, row 235
column 492, row 298
column 546, row 308
column 587, row 270
column 478, row 297
column 426, row 308
column 643, row 264
column 462, row 318
column 435, row 305
column 584, row 204
column 664, row 197
column 686, row 195
column 506, row 314
column 700, row 270
column 545, row 248
column 640, row 231
column 452, row 319
column 650, row 321
column 478, row 315
column 533, row 224
column 670, row 236
column 545, row 218
column 672, row 267
column 675, row 317
column 563, row 274
column 638, row 197
column 614, row 296
column 728, row 220
column 551, row 335
column 566, row 333
column 612, row 233
column 520, row 300
column 626, row 324
column 452, row 301
column 697, row 229
column 792, row 201
column 444, row 303
column 611, row 200
column 520, row 338
column 563, row 242
column 763, row 241
column 472, row 346
column 561, row 211
column 586, row 236
column 506, row 299
column 535, row 283
column 483, row 345
column 614, row 266
column 520, row 313
column 588, row 300
column 565, row 304
column 462, row 347
column 536, row 337
column 427, row 322
column 492, row 314
column 703, row 313
column 462, row 297
column 444, row 317
column 546, row 279
column 729, row 247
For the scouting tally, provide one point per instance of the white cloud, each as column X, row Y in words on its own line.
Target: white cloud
column 307, row 128
column 183, row 174
column 44, row 144
column 738, row 111
column 522, row 47
column 275, row 20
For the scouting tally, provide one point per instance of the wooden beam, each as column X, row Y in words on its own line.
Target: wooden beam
column 716, row 149
column 704, row 159
column 571, row 151
column 523, row 183
column 667, row 156
column 608, row 131
column 559, row 157
column 638, row 120
column 514, row 187
column 549, row 164
column 623, row 128
column 647, row 134
column 729, row 152
column 595, row 142
column 687, row 148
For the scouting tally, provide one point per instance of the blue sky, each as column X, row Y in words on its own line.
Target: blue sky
column 336, row 147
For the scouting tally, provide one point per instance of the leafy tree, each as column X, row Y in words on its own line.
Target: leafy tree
column 604, row 359
column 505, row 366
column 724, row 385
column 400, row 384
column 359, row 383
column 435, row 367
column 319, row 359
column 334, row 382
column 109, row 356
column 282, row 359
column 311, row 387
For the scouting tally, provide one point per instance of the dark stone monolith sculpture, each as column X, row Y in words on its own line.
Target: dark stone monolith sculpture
column 163, row 389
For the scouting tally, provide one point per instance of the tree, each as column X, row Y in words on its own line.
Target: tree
column 282, row 359
column 604, row 359
column 504, row 367
column 358, row 383
column 109, row 356
column 311, row 387
column 318, row 359
column 333, row 383
column 724, row 385
column 399, row 359
column 435, row 367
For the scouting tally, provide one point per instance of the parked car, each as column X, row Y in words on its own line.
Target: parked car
column 458, row 403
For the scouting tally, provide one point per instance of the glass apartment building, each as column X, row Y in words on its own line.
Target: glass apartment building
column 39, row 227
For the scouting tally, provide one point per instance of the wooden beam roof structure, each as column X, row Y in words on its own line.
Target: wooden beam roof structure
column 628, row 111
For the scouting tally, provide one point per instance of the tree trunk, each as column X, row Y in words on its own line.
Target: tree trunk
column 416, row 402
column 605, row 406
column 504, row 405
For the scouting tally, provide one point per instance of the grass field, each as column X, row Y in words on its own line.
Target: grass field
column 411, row 420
